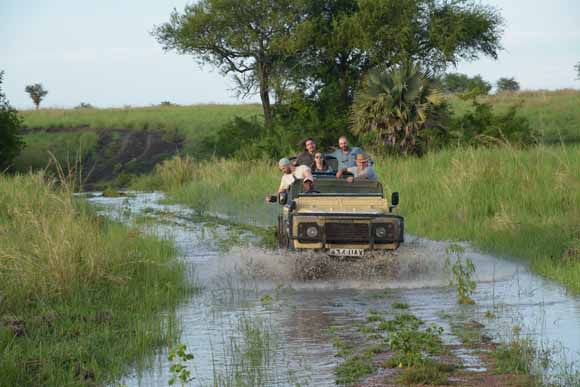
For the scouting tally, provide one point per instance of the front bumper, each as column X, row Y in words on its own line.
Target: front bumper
column 347, row 231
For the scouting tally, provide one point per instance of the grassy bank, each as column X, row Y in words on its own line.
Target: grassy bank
column 81, row 297
column 522, row 203
column 65, row 147
column 554, row 114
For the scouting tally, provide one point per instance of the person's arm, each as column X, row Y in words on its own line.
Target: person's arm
column 368, row 173
column 341, row 172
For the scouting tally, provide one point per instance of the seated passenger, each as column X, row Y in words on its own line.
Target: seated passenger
column 291, row 174
column 308, row 186
column 361, row 171
column 320, row 164
column 307, row 157
column 345, row 155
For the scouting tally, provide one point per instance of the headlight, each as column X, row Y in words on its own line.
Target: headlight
column 312, row 232
column 380, row 232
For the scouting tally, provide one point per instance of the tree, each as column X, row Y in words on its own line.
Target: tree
column 10, row 122
column 577, row 68
column 394, row 105
column 244, row 38
column 507, row 84
column 461, row 83
column 37, row 93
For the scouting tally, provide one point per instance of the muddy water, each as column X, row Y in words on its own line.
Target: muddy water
column 244, row 284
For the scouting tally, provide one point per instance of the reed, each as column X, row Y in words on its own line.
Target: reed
column 81, row 297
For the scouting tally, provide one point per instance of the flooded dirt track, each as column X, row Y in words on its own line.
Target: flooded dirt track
column 257, row 321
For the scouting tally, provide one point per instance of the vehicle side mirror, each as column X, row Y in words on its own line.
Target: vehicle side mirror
column 394, row 201
column 283, row 198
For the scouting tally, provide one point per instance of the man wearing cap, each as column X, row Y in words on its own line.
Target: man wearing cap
column 291, row 174
column 362, row 170
column 345, row 155
column 308, row 186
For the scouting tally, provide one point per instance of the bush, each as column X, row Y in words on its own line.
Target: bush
column 10, row 141
column 461, row 83
column 482, row 127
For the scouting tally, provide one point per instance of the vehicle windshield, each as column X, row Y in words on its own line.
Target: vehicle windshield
column 331, row 186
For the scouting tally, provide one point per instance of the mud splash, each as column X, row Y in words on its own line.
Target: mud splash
column 297, row 298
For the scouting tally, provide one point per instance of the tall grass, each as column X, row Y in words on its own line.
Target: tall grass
column 80, row 297
column 521, row 203
column 235, row 189
column 555, row 114
column 64, row 146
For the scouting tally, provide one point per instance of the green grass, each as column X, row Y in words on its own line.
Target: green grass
column 65, row 147
column 555, row 114
column 81, row 297
column 192, row 121
column 521, row 203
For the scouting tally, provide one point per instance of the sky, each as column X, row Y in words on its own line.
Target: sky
column 102, row 52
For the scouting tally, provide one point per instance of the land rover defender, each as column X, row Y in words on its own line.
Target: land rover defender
column 340, row 218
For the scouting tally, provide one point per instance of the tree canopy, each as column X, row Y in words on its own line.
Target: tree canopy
column 37, row 93
column 507, row 84
column 461, row 83
column 10, row 122
column 319, row 50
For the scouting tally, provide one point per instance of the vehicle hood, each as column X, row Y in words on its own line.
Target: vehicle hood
column 338, row 204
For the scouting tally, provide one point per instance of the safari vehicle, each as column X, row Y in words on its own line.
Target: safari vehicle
column 342, row 218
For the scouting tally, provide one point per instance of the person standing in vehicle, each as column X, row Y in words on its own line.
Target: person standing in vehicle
column 345, row 155
column 307, row 157
column 362, row 170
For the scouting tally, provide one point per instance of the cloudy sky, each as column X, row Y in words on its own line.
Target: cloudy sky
column 101, row 52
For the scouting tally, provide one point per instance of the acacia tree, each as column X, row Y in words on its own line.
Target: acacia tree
column 37, row 93
column 244, row 38
column 10, row 122
column 507, row 84
column 394, row 105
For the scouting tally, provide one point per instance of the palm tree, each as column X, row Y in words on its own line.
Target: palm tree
column 394, row 105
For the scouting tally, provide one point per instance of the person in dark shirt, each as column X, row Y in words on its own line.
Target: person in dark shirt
column 320, row 164
column 307, row 157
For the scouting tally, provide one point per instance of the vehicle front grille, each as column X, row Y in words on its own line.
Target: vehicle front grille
column 347, row 232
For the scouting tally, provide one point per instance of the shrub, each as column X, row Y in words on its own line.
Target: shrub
column 10, row 141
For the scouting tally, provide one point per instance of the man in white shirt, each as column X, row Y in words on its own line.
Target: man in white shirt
column 291, row 174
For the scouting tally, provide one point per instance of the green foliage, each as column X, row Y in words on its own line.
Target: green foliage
column 10, row 140
column 481, row 126
column 411, row 345
column 462, row 83
column 393, row 107
column 577, row 69
column 430, row 373
column 240, row 137
column 245, row 38
column 507, row 84
column 353, row 369
column 92, row 295
column 37, row 93
column 178, row 356
column 462, row 271
column 84, row 105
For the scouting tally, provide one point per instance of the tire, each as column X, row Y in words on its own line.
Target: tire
column 281, row 235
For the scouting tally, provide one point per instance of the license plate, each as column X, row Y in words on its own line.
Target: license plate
column 347, row 252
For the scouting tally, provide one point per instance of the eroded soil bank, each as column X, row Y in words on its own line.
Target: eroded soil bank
column 263, row 320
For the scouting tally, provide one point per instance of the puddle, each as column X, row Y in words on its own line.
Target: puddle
column 249, row 285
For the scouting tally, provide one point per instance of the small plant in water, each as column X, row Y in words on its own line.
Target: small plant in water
column 462, row 271
column 179, row 356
